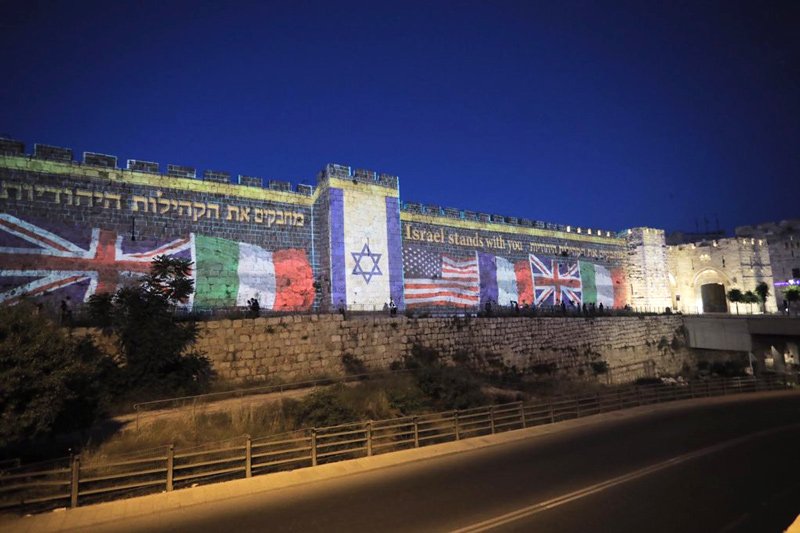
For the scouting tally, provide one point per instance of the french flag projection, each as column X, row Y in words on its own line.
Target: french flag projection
column 36, row 261
column 548, row 282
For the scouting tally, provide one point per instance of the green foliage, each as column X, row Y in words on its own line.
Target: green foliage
column 49, row 382
column 735, row 296
column 156, row 349
column 353, row 365
column 762, row 290
column 448, row 387
column 599, row 367
column 792, row 294
column 323, row 408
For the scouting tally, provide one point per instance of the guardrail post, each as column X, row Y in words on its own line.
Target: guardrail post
column 248, row 457
column 74, row 480
column 416, row 432
column 620, row 401
column 577, row 407
column 313, row 446
column 724, row 387
column 708, row 389
column 552, row 412
column 691, row 389
column 638, row 397
column 491, row 417
column 369, row 438
column 522, row 415
column 456, row 426
column 170, row 466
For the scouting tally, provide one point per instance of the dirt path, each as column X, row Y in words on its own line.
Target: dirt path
column 145, row 418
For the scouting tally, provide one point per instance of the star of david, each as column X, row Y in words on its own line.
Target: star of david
column 373, row 270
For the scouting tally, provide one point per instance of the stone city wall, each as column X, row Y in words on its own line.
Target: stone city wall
column 293, row 348
column 509, row 260
column 647, row 270
column 735, row 263
column 70, row 230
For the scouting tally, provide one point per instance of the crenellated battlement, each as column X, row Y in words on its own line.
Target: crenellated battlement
column 474, row 216
column 46, row 152
column 357, row 175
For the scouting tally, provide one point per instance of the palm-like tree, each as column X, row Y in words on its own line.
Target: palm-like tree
column 750, row 298
column 762, row 290
column 735, row 296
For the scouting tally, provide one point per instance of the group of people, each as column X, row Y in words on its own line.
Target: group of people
column 391, row 307
column 585, row 309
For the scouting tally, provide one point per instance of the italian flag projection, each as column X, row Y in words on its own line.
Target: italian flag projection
column 597, row 285
column 229, row 273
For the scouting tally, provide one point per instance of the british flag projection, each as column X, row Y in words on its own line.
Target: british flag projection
column 36, row 261
column 555, row 282
column 41, row 261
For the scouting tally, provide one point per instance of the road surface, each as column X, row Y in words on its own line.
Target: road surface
column 724, row 467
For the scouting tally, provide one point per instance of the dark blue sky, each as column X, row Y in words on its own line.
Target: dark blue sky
column 609, row 114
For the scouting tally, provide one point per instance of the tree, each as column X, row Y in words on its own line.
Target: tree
column 762, row 290
column 750, row 297
column 735, row 296
column 792, row 295
column 156, row 349
column 49, row 381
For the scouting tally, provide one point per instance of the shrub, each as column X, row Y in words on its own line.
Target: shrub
column 448, row 387
column 49, row 382
column 599, row 367
column 322, row 408
column 156, row 349
column 353, row 365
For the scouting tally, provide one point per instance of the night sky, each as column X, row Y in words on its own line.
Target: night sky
column 607, row 114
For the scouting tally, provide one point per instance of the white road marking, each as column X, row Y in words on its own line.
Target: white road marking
column 613, row 482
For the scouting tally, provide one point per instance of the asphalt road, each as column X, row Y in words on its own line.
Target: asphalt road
column 731, row 467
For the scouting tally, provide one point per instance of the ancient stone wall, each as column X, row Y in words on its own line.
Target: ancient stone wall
column 466, row 259
column 294, row 348
column 735, row 263
column 647, row 269
column 70, row 230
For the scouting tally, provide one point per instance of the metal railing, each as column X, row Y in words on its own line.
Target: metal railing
column 72, row 482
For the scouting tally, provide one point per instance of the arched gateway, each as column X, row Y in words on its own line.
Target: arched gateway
column 710, row 286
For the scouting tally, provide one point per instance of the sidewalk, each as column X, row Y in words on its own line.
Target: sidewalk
column 120, row 510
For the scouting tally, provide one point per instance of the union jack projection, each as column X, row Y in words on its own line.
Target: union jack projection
column 555, row 282
column 434, row 279
column 35, row 261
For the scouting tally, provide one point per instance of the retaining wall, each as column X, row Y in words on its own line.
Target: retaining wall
column 298, row 347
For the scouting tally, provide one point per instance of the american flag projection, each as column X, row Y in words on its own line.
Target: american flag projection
column 434, row 279
column 555, row 282
column 35, row 261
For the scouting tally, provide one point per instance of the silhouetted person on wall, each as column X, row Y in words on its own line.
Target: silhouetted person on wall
column 600, row 308
column 255, row 307
column 66, row 312
column 563, row 308
column 488, row 308
column 392, row 308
